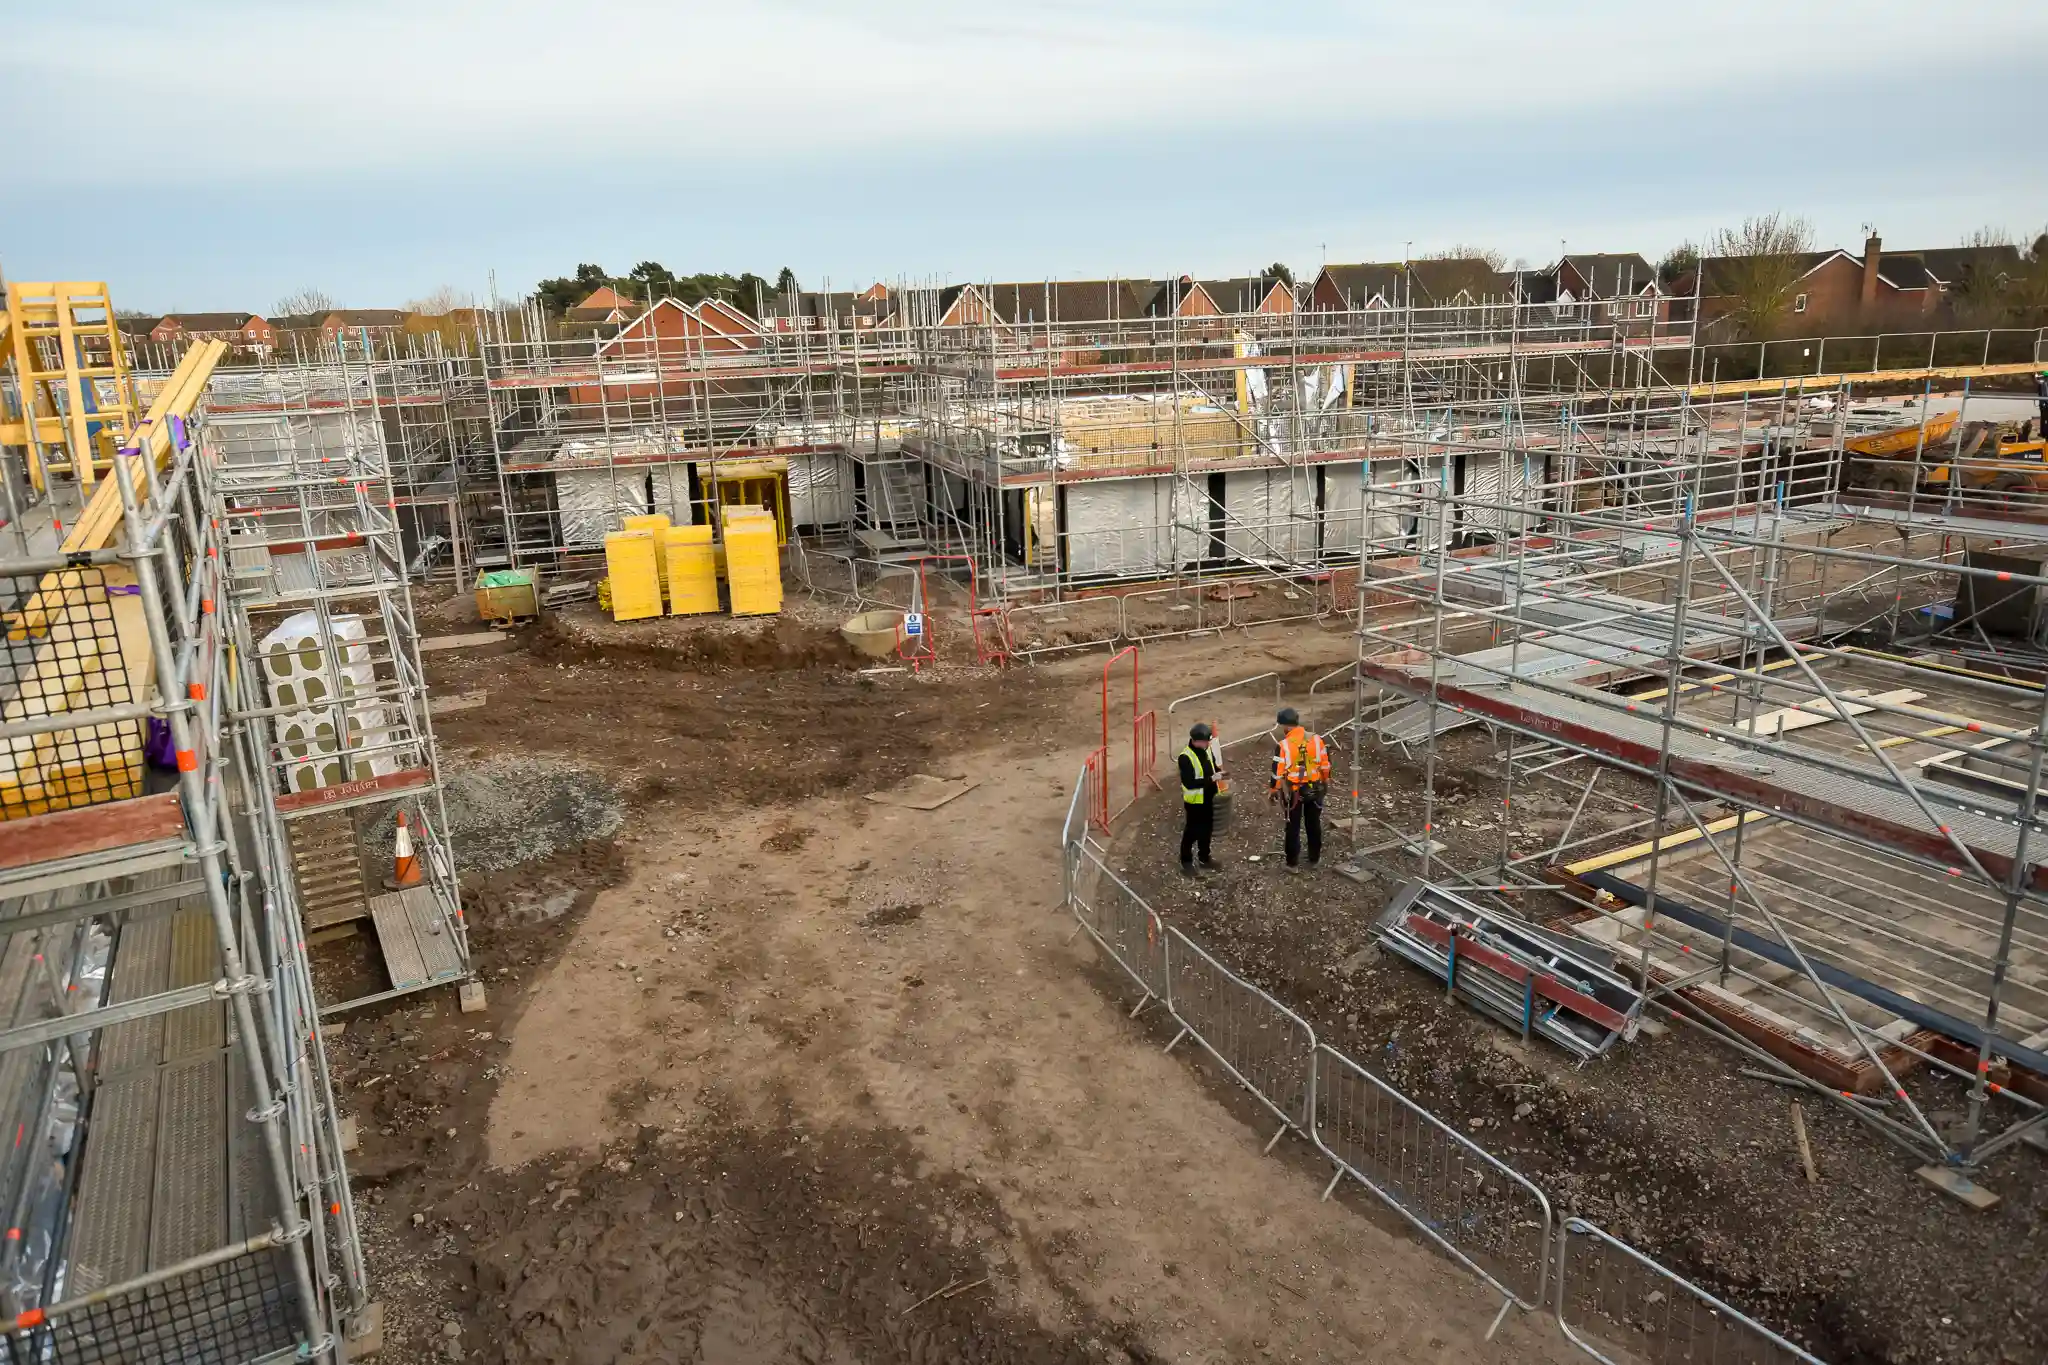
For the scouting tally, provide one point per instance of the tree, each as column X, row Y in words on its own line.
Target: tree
column 2026, row 294
column 559, row 295
column 301, row 302
column 446, row 299
column 1279, row 271
column 751, row 293
column 1465, row 251
column 1987, row 236
column 654, row 280
column 1760, row 265
column 1678, row 264
column 785, row 282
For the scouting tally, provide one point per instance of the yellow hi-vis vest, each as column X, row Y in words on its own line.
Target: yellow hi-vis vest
column 1193, row 796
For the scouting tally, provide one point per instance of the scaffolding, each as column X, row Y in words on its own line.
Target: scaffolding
column 310, row 462
column 176, row 1189
column 1835, row 866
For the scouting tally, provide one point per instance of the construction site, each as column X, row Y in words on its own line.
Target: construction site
column 658, row 845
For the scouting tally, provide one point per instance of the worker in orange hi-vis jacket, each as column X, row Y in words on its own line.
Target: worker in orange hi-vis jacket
column 1301, row 774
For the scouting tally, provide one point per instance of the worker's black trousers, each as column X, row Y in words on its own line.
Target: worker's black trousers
column 1195, row 831
column 1307, row 810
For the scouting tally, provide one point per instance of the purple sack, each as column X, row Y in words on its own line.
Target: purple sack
column 159, row 750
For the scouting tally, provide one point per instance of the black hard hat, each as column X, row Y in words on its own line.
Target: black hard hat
column 1289, row 716
column 1200, row 730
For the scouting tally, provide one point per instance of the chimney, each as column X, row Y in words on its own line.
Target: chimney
column 1873, row 252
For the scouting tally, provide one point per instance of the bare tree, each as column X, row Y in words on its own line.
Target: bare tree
column 303, row 301
column 1760, row 263
column 446, row 299
column 1465, row 251
column 1986, row 236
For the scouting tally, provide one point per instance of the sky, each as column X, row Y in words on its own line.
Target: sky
column 218, row 154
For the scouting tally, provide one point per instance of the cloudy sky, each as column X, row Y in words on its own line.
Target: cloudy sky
column 219, row 153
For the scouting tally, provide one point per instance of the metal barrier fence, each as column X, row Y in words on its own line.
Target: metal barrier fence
column 1269, row 1049
column 1126, row 928
column 1480, row 1211
column 1619, row 1306
column 1484, row 1214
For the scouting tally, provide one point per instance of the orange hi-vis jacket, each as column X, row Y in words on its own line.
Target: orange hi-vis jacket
column 1302, row 759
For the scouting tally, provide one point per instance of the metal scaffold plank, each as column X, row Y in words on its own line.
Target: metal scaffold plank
column 110, row 1231
column 188, row 1197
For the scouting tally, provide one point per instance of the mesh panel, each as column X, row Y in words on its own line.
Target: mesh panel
column 225, row 1314
column 62, row 654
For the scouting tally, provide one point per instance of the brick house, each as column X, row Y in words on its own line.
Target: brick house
column 1837, row 293
column 1614, row 287
column 1445, row 283
column 709, row 331
column 1268, row 294
column 242, row 331
column 352, row 323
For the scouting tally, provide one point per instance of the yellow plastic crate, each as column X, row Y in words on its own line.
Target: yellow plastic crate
column 692, row 570
column 629, row 559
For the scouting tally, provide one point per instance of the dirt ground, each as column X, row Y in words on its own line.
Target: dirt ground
column 777, row 1073
column 1663, row 1143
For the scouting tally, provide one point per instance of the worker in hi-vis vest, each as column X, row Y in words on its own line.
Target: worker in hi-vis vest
column 1198, row 774
column 1301, row 773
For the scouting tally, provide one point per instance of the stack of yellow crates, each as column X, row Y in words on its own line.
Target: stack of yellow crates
column 656, row 525
column 629, row 560
column 753, row 566
column 692, row 570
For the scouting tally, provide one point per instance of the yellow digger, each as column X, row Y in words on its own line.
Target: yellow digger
column 1990, row 466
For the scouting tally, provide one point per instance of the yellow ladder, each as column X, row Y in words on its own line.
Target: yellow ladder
column 71, row 377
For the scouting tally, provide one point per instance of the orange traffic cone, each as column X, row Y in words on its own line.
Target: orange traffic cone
column 406, row 864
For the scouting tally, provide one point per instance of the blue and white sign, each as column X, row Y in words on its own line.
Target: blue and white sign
column 913, row 623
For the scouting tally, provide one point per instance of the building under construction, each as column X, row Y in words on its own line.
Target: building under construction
column 1654, row 586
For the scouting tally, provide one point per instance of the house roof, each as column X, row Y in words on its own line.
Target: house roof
column 1904, row 270
column 210, row 322
column 299, row 321
column 1361, row 283
column 364, row 317
column 606, row 297
column 1163, row 298
column 1240, row 295
column 138, row 326
column 1714, row 270
column 1438, row 281
column 1609, row 275
column 873, row 302
column 1067, row 300
column 1948, row 264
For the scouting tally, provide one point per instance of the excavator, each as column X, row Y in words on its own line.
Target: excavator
column 1986, row 465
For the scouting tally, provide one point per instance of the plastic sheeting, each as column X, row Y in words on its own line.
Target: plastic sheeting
column 594, row 502
column 1269, row 514
column 1120, row 526
column 1501, row 479
column 820, row 489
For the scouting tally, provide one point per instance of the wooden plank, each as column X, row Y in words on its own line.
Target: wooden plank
column 395, row 936
column 475, row 640
column 460, row 701
column 1820, row 711
column 90, row 829
column 363, row 788
column 435, row 937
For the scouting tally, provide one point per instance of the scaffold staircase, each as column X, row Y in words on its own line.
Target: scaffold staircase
column 892, row 496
